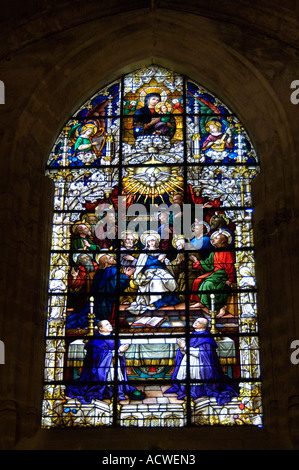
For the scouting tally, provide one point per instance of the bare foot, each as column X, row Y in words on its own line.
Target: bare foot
column 221, row 313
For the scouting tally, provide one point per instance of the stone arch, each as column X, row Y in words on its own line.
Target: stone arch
column 255, row 36
column 226, row 187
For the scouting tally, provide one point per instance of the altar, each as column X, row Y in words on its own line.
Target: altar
column 153, row 356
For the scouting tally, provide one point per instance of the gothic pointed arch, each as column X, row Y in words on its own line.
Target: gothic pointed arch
column 152, row 311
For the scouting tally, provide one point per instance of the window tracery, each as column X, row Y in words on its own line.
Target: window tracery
column 152, row 312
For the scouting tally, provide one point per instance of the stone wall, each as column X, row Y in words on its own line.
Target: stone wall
column 52, row 59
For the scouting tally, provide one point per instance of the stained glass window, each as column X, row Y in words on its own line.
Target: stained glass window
column 152, row 310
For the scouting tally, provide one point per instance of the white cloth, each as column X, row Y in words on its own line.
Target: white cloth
column 194, row 366
column 154, row 282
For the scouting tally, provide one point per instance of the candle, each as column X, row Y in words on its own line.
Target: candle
column 212, row 296
column 91, row 304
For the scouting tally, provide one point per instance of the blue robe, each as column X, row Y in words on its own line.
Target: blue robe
column 103, row 290
column 142, row 117
column 213, row 382
column 203, row 244
column 92, row 384
column 153, row 262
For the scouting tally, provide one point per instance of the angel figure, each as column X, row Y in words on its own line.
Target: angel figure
column 83, row 143
column 219, row 142
column 89, row 136
column 217, row 139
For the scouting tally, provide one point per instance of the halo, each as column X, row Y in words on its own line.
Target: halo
column 152, row 88
column 177, row 238
column 147, row 234
column 213, row 121
column 163, row 103
column 81, row 222
column 129, row 232
column 104, row 252
column 85, row 216
column 207, row 226
column 75, row 256
column 202, row 223
column 223, row 232
column 215, row 216
column 89, row 126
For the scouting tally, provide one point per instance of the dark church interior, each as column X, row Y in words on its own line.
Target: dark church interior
column 53, row 57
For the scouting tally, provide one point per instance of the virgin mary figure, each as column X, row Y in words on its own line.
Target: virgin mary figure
column 145, row 118
column 154, row 277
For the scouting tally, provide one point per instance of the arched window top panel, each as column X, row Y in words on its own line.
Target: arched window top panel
column 152, row 312
column 111, row 115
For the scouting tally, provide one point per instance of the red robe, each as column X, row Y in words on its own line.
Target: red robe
column 218, row 268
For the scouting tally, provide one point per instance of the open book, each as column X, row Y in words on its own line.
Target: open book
column 149, row 321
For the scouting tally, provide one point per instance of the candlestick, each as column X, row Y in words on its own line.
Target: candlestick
column 91, row 318
column 213, row 329
column 90, row 328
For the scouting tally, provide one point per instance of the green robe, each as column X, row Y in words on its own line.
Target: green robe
column 218, row 268
column 78, row 245
column 82, row 141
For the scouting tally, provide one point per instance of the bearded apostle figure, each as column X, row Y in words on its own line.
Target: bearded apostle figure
column 218, row 275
